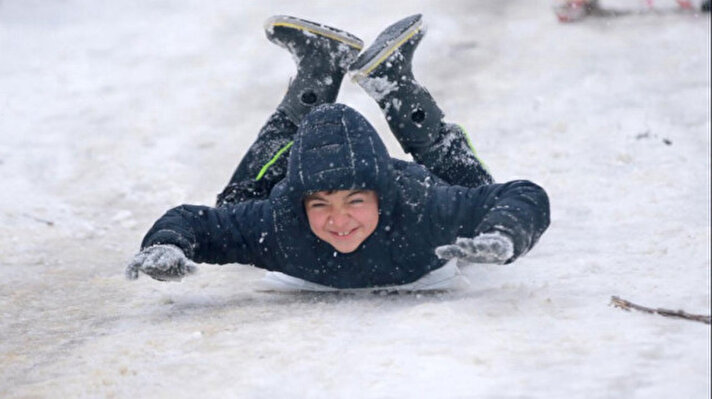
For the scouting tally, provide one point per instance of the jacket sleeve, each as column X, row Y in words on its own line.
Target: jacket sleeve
column 518, row 208
column 213, row 235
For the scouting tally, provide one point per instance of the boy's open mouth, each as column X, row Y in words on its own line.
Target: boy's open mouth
column 343, row 234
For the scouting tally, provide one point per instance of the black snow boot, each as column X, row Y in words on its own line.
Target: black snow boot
column 322, row 55
column 384, row 70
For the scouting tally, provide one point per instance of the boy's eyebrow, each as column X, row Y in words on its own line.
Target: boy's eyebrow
column 356, row 192
column 317, row 196
column 314, row 196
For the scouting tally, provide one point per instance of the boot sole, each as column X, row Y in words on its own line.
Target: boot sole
column 315, row 28
column 389, row 46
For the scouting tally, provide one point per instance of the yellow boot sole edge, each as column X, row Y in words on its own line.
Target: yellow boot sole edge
column 295, row 23
column 386, row 52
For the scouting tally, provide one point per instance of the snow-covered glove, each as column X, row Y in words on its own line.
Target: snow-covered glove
column 161, row 262
column 494, row 247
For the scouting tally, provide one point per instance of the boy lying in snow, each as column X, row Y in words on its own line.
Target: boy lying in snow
column 318, row 197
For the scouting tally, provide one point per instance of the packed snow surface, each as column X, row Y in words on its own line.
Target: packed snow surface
column 113, row 112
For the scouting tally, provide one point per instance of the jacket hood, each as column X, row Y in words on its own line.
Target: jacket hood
column 336, row 148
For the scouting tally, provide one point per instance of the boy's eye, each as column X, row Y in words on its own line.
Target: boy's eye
column 316, row 205
column 356, row 201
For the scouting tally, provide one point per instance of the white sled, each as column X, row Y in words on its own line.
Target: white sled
column 446, row 278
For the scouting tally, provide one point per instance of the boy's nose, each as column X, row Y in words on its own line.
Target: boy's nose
column 339, row 219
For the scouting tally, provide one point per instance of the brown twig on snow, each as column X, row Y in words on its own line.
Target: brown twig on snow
column 627, row 305
column 40, row 220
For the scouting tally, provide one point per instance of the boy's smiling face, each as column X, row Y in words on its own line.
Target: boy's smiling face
column 343, row 218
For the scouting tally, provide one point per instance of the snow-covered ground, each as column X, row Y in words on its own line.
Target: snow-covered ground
column 113, row 112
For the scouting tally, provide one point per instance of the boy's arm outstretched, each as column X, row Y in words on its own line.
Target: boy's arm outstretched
column 190, row 233
column 494, row 223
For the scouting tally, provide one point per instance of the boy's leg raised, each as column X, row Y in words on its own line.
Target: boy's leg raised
column 322, row 55
column 384, row 70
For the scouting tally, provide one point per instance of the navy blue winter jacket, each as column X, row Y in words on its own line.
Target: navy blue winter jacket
column 336, row 148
